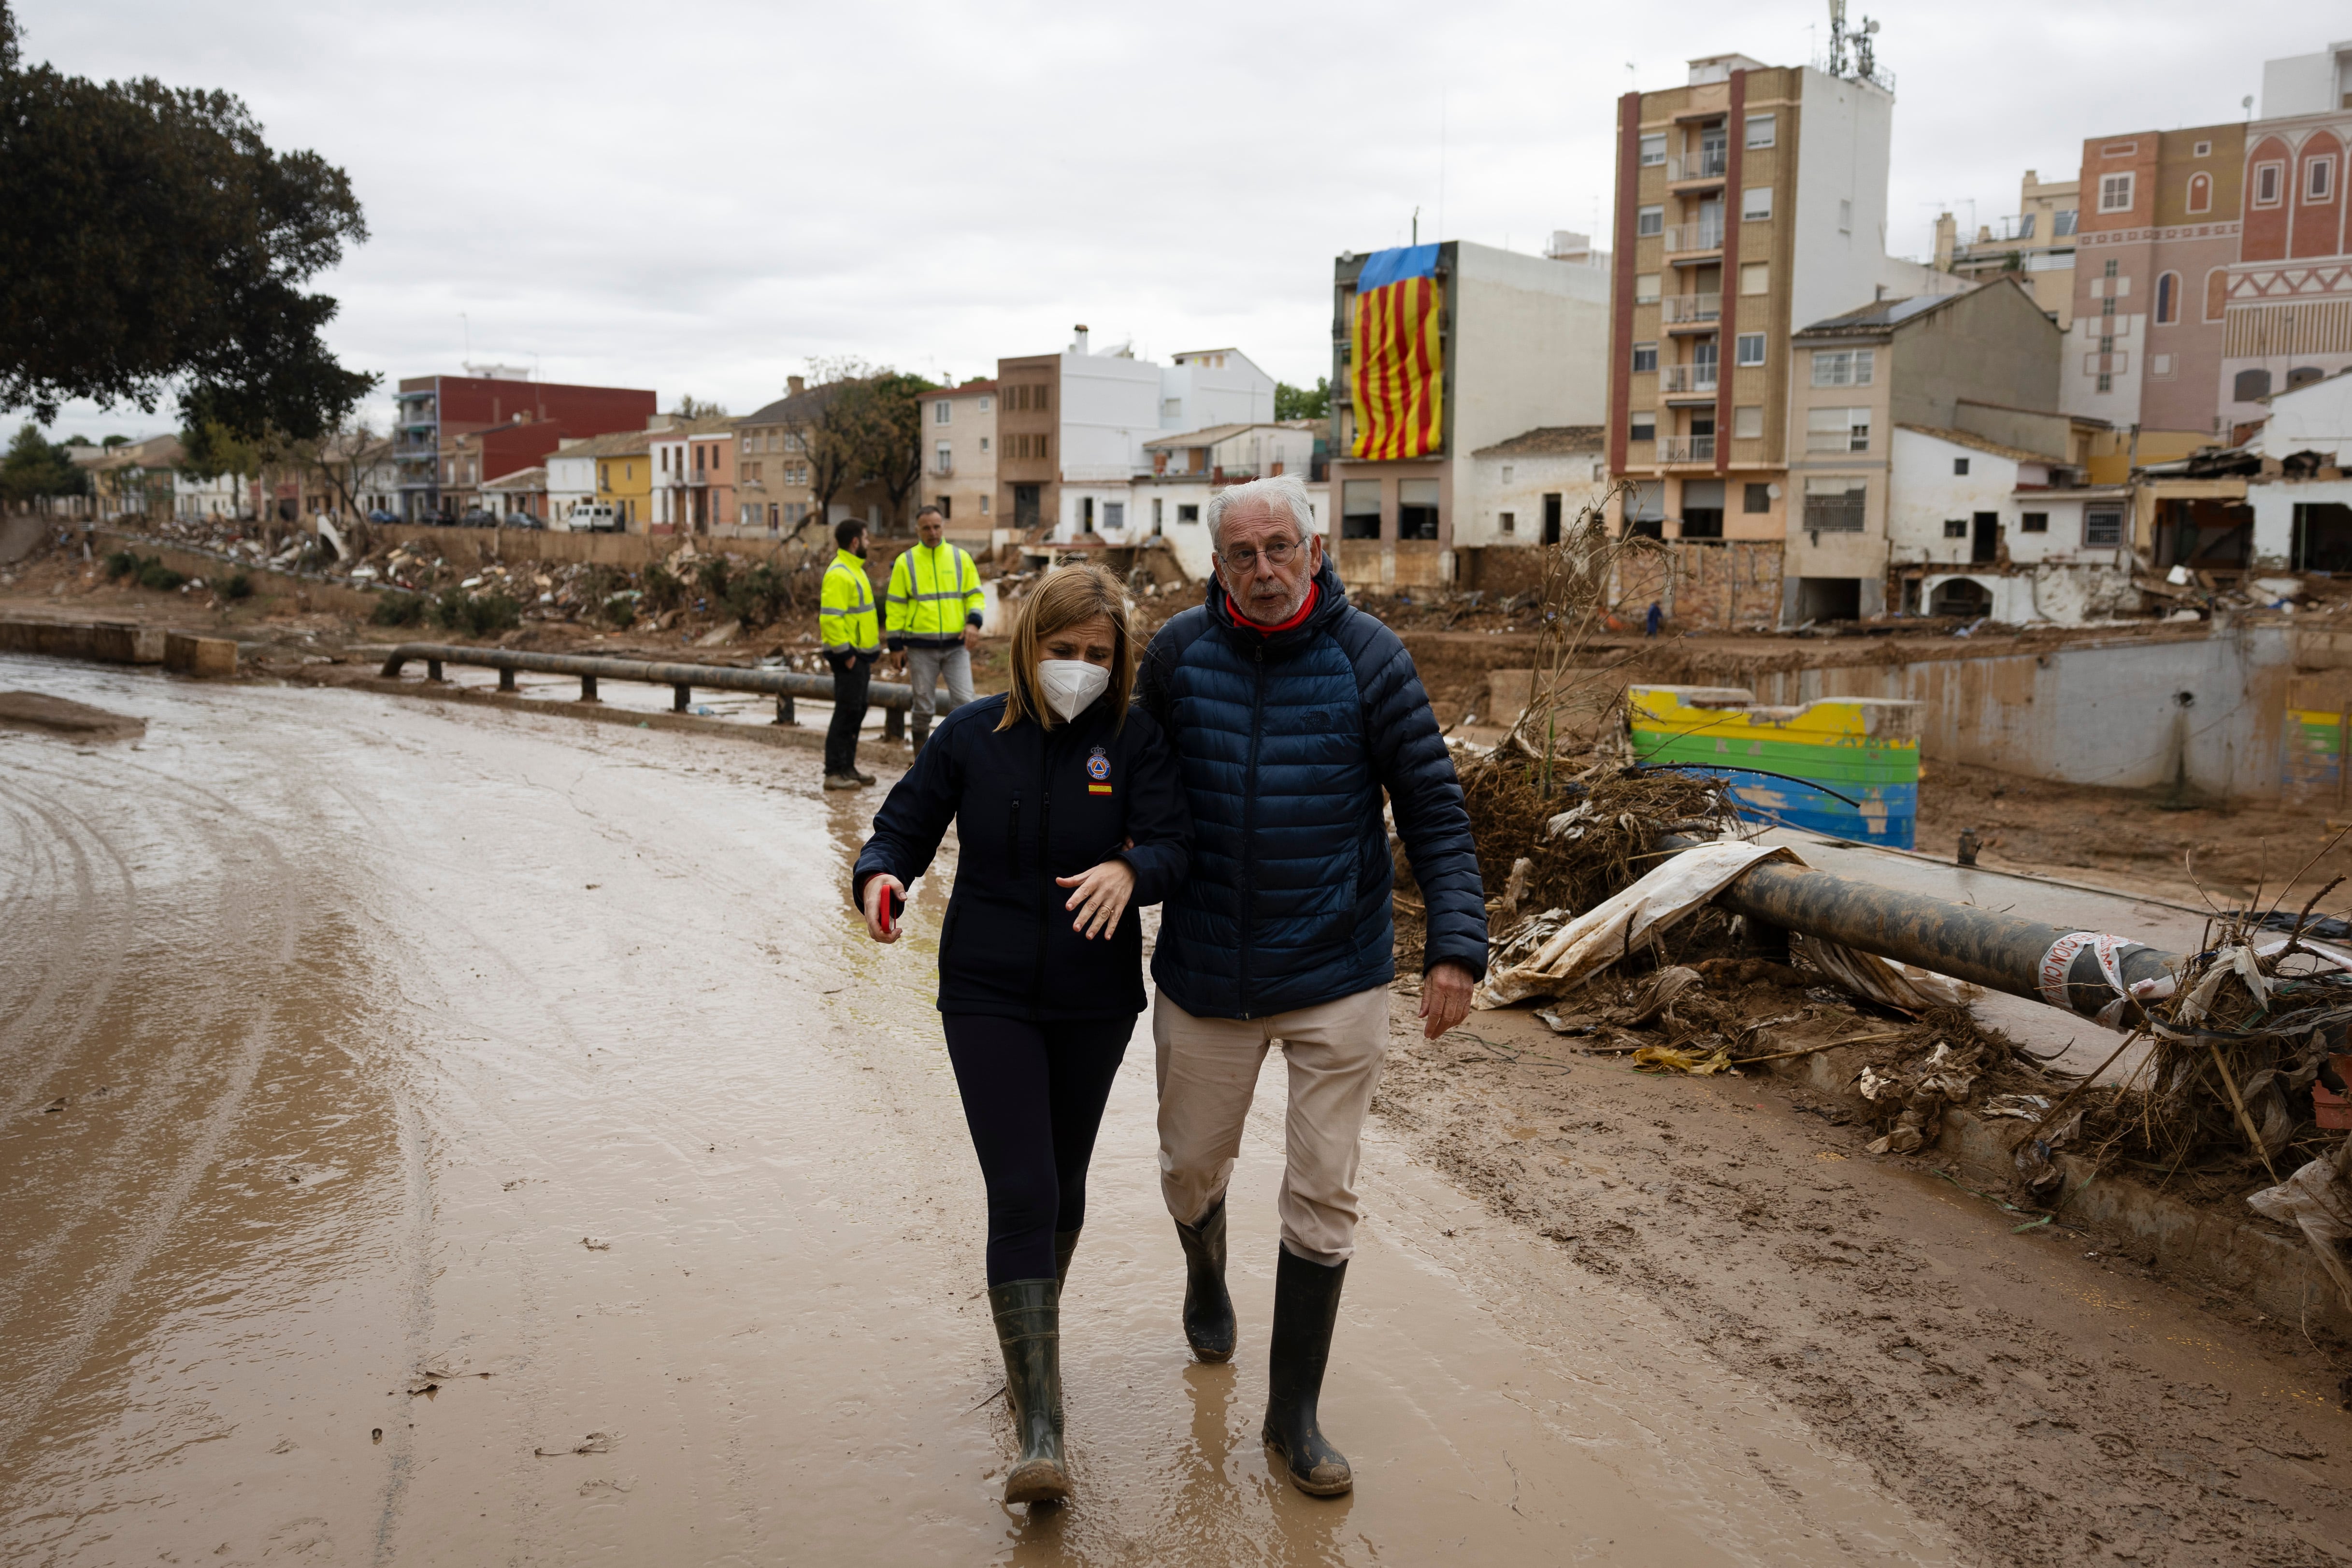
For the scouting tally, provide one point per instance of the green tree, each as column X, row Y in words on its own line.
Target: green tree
column 1297, row 403
column 881, row 416
column 36, row 467
column 168, row 252
column 694, row 409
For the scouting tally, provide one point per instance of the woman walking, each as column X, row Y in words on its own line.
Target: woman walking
column 1069, row 817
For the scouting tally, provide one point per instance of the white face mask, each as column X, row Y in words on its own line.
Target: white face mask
column 1071, row 685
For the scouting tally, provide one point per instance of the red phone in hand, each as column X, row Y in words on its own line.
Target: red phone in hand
column 893, row 906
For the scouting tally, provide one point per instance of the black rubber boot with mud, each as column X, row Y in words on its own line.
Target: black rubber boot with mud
column 1305, row 1309
column 1065, row 1242
column 1208, row 1310
column 1028, row 1329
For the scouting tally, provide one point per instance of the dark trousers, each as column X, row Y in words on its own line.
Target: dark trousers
column 1034, row 1097
column 852, row 673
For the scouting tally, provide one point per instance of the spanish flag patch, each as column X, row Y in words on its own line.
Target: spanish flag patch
column 1097, row 789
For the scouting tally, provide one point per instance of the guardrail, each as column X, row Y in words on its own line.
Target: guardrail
column 893, row 698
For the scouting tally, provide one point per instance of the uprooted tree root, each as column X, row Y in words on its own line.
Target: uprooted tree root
column 1618, row 815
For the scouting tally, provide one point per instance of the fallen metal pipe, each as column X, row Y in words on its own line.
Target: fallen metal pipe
column 784, row 684
column 2089, row 973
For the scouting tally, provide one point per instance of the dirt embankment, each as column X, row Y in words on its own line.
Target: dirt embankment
column 2046, row 1398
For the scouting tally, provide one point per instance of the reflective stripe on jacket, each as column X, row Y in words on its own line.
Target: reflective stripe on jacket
column 934, row 595
column 844, row 618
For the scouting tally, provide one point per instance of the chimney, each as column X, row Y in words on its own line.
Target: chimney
column 794, row 386
column 1079, row 347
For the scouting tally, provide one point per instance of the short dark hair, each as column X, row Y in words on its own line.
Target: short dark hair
column 845, row 531
column 933, row 511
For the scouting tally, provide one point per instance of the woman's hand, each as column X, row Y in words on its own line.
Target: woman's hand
column 1101, row 897
column 876, row 887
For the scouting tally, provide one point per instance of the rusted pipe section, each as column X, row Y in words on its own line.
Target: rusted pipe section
column 2089, row 973
column 680, row 677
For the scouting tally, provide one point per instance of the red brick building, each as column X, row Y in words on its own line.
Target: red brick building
column 519, row 422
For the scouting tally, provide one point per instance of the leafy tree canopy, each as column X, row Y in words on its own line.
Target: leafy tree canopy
column 163, row 246
column 36, row 467
column 696, row 408
column 1299, row 403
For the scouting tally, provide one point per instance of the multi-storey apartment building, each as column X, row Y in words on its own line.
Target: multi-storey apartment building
column 959, row 458
column 694, row 476
column 2036, row 242
column 435, row 410
column 1748, row 198
column 1517, row 343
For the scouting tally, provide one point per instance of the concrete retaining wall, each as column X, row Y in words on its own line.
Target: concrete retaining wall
column 107, row 642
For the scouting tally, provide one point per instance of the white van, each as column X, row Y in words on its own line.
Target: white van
column 594, row 517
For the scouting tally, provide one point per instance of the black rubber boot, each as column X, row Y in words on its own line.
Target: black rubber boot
column 1208, row 1310
column 1306, row 1308
column 1065, row 1242
column 1028, row 1329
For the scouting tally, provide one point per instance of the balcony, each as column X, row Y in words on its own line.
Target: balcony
column 1685, row 449
column 942, row 469
column 1686, row 379
column 1687, row 237
column 1691, row 310
column 1706, row 163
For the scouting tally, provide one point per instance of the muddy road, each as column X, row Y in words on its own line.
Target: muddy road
column 434, row 1134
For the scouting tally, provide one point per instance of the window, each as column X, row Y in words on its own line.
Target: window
column 941, row 416
column 2250, row 385
column 2110, row 270
column 2107, row 308
column 2168, row 298
column 1644, row 426
column 1188, row 511
column 2061, row 227
column 986, row 403
column 1956, row 528
column 1359, row 510
column 1755, row 277
column 1748, row 423
column 1758, row 498
column 1759, row 130
column 1114, row 514
column 2269, row 180
column 2119, row 150
column 944, row 456
column 1507, row 471
column 1837, row 430
column 984, row 445
column 2107, row 382
column 1510, row 521
column 2318, row 179
column 1649, row 221
column 983, row 503
column 1653, row 149
column 2304, row 376
column 1756, row 204
column 2217, row 293
column 1645, row 288
column 1416, row 509
column 1960, row 465
column 1834, row 506
column 2202, row 150
column 1748, row 348
column 1843, row 367
column 1845, row 215
column 2103, row 527
column 2200, row 193
column 1645, row 358
column 2033, row 522
column 2116, row 192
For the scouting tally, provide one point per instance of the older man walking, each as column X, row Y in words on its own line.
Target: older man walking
column 1293, row 713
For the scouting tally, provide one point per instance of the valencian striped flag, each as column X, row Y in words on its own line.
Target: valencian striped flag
column 1397, row 379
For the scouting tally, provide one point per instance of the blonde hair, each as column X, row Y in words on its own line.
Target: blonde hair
column 1068, row 595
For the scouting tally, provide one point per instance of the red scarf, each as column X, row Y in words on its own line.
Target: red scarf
column 1305, row 608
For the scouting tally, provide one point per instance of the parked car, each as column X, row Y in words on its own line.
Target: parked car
column 521, row 520
column 476, row 517
column 594, row 517
column 380, row 515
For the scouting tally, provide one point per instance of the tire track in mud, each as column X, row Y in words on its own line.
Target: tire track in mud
column 89, row 967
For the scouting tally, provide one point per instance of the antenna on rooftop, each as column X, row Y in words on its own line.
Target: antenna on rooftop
column 1837, row 37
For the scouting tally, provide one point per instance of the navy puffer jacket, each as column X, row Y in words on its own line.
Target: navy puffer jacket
column 1286, row 743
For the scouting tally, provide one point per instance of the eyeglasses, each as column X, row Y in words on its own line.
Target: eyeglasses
column 1276, row 556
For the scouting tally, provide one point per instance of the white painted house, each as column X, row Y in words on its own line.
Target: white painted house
column 2301, row 518
column 2001, row 532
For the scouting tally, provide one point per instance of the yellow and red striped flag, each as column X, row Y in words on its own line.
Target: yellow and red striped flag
column 1398, row 376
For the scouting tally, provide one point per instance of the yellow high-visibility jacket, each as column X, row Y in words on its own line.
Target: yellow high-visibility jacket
column 844, row 618
column 934, row 595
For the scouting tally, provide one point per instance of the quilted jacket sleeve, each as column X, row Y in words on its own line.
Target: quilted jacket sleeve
column 1157, row 816
column 912, row 821
column 1424, row 794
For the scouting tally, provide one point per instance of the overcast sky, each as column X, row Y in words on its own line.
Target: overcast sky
column 701, row 196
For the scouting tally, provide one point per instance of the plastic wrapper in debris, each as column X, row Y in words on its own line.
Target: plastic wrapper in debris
column 2025, row 1106
column 1881, row 979
column 2318, row 1200
column 1684, row 1059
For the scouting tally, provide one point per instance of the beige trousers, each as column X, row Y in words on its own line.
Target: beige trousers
column 1208, row 1071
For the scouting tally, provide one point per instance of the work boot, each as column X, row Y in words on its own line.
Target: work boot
column 1028, row 1331
column 862, row 776
column 846, row 781
column 1208, row 1310
column 1065, row 1242
column 921, row 734
column 1306, row 1307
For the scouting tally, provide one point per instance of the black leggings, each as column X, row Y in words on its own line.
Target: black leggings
column 1033, row 1096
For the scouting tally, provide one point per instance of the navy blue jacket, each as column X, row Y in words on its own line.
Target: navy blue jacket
column 1286, row 742
column 1031, row 805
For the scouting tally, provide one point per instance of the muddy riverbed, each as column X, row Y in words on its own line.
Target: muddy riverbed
column 442, row 1134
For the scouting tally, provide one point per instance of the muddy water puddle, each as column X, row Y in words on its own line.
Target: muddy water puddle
column 482, row 1136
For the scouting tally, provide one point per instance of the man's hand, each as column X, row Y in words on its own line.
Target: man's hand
column 971, row 639
column 876, row 886
column 1101, row 897
column 1445, row 999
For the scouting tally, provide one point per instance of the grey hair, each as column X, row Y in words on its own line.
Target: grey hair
column 1278, row 492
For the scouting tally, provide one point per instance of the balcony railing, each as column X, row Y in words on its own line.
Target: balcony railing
column 1681, row 236
column 943, row 467
column 1709, row 164
column 1687, row 448
column 1684, row 309
column 1686, row 378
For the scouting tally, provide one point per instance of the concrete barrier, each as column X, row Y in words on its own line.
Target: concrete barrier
column 108, row 642
column 207, row 658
